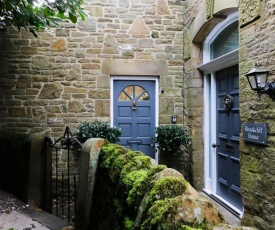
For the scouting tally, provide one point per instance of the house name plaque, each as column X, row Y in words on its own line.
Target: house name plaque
column 255, row 133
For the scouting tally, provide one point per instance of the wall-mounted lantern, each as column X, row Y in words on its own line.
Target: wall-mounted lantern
column 257, row 79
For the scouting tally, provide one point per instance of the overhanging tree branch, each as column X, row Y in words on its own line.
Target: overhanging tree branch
column 36, row 15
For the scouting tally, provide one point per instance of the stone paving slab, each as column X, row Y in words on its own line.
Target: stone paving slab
column 19, row 221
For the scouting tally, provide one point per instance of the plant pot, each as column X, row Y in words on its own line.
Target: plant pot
column 166, row 158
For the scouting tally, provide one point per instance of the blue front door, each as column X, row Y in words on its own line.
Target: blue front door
column 228, row 130
column 134, row 113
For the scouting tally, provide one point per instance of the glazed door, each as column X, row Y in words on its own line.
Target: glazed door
column 228, row 130
column 134, row 112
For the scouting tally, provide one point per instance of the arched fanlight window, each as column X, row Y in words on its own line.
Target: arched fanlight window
column 225, row 42
column 133, row 92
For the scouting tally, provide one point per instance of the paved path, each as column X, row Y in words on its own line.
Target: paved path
column 30, row 219
column 19, row 221
column 16, row 215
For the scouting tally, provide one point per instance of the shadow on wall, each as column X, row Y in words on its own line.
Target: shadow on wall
column 124, row 189
column 22, row 165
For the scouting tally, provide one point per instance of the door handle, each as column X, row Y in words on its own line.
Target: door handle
column 215, row 145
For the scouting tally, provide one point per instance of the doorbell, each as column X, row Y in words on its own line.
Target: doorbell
column 174, row 119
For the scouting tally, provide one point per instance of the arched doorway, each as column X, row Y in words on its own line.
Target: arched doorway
column 221, row 114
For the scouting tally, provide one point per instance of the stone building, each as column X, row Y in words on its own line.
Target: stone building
column 137, row 63
column 222, row 42
column 86, row 72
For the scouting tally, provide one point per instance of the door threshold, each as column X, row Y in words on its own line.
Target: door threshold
column 228, row 211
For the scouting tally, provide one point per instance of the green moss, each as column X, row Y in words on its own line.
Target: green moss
column 109, row 153
column 118, row 207
column 140, row 187
column 135, row 162
column 128, row 224
column 159, row 209
column 134, row 181
column 155, row 169
column 162, row 215
column 184, row 227
column 134, row 196
column 167, row 187
column 161, row 190
column 116, row 169
column 133, row 178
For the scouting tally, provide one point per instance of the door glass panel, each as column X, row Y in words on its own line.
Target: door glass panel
column 144, row 97
column 123, row 96
column 133, row 92
column 130, row 91
column 138, row 91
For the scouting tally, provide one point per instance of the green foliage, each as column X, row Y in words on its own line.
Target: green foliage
column 128, row 224
column 36, row 15
column 171, row 138
column 98, row 129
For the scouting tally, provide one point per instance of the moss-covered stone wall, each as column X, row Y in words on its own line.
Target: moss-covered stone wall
column 132, row 192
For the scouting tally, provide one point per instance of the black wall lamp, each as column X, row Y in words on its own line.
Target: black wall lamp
column 257, row 79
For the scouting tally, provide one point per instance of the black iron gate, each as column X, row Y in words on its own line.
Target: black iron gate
column 61, row 180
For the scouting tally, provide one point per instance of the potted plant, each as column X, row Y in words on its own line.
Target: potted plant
column 171, row 138
column 100, row 129
column 171, row 141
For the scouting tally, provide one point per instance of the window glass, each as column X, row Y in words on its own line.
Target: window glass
column 226, row 41
column 144, row 97
column 134, row 92
column 123, row 96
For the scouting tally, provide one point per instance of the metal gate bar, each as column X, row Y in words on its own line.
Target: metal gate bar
column 70, row 143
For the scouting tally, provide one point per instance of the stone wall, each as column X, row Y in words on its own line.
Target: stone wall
column 125, row 190
column 257, row 162
column 122, row 189
column 63, row 77
column 200, row 17
column 256, row 21
column 193, row 85
column 22, row 166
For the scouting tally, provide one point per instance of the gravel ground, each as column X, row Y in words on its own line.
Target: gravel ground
column 9, row 203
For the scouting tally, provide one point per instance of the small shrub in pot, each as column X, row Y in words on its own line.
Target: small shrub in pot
column 99, row 129
column 171, row 138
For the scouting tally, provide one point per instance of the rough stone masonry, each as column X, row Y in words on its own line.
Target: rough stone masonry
column 60, row 78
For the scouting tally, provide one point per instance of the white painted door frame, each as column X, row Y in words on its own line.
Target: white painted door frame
column 209, row 68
